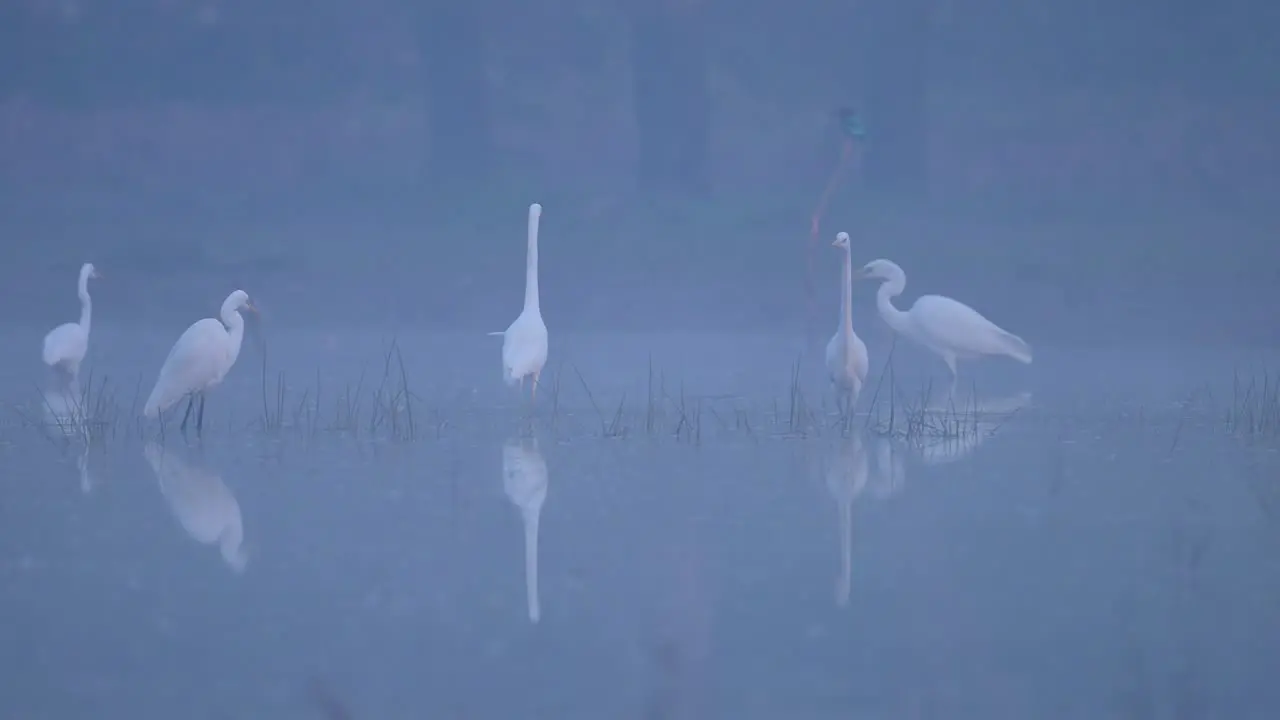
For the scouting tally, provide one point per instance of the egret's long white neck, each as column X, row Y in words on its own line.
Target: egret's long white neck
column 86, row 303
column 895, row 318
column 846, row 294
column 235, row 330
column 531, row 266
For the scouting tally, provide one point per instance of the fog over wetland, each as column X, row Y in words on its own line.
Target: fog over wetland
column 379, row 518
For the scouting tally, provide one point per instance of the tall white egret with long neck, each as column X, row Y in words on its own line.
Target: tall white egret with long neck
column 948, row 327
column 524, row 343
column 66, row 345
column 199, row 361
column 847, row 361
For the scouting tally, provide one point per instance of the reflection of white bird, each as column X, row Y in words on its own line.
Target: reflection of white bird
column 202, row 503
column 960, row 427
column 524, row 343
column 66, row 345
column 948, row 327
column 847, row 361
column 846, row 472
column 890, row 476
column 524, row 479
column 200, row 359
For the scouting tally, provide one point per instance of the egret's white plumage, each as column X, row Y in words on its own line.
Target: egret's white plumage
column 66, row 345
column 524, row 343
column 524, row 479
column 200, row 359
column 948, row 327
column 847, row 361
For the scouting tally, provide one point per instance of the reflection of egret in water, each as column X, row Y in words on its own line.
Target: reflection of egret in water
column 850, row 473
column 890, row 476
column 846, row 473
column 202, row 503
column 524, row 479
column 963, row 424
column 64, row 415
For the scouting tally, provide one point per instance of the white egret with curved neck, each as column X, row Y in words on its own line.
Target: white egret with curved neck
column 948, row 327
column 847, row 361
column 199, row 361
column 66, row 345
column 524, row 343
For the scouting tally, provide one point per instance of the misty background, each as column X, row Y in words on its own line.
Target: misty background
column 1087, row 173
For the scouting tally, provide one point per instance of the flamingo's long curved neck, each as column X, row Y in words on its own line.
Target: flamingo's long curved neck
column 86, row 304
column 531, row 267
column 846, row 295
column 894, row 317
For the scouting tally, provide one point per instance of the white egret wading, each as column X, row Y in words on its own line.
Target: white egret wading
column 847, row 361
column 948, row 327
column 199, row 361
column 524, row 343
column 66, row 345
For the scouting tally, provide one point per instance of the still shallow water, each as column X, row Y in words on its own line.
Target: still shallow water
column 1104, row 552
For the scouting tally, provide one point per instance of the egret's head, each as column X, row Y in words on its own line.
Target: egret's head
column 880, row 270
column 88, row 271
column 535, row 210
column 841, row 241
column 238, row 300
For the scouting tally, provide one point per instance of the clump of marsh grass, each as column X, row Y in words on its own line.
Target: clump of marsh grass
column 1254, row 412
column 384, row 410
column 87, row 413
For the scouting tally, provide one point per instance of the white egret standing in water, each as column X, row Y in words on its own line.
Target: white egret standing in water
column 524, row 343
column 948, row 327
column 66, row 345
column 199, row 361
column 847, row 361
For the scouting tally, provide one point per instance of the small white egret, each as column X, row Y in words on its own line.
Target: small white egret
column 948, row 327
column 66, row 345
column 524, row 343
column 847, row 361
column 199, row 361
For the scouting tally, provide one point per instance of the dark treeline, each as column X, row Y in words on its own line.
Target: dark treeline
column 136, row 52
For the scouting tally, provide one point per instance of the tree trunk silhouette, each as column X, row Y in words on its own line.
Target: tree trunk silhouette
column 670, row 96
column 451, row 40
column 896, row 53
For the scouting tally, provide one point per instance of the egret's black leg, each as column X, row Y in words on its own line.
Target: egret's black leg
column 187, row 415
column 200, row 418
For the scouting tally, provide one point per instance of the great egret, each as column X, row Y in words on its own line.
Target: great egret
column 524, row 479
column 66, row 345
column 847, row 361
column 524, row 343
column 948, row 327
column 199, row 361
